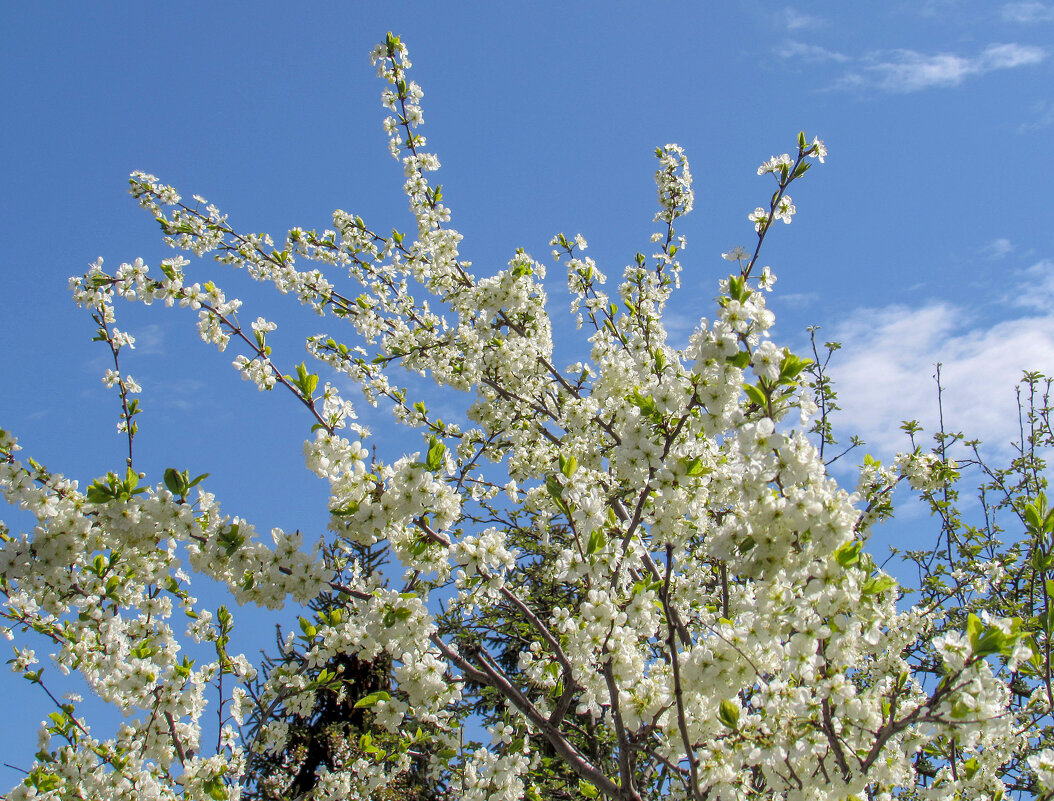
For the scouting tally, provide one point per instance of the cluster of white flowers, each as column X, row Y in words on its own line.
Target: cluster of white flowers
column 924, row 471
column 1043, row 765
column 258, row 370
column 674, row 179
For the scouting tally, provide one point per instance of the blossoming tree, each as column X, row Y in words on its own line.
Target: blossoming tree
column 635, row 572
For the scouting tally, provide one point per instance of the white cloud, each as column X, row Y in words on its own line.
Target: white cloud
column 1037, row 284
column 1043, row 113
column 797, row 300
column 796, row 21
column 1027, row 12
column 808, row 52
column 910, row 71
column 184, row 394
column 998, row 248
column 936, row 8
column 1008, row 56
column 150, row 339
column 884, row 372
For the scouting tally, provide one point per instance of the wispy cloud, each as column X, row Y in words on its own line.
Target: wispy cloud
column 911, row 71
column 1043, row 117
column 798, row 300
column 1008, row 56
column 883, row 375
column 936, row 8
column 998, row 248
column 1027, row 12
column 150, row 339
column 1038, row 287
column 796, row 21
column 807, row 52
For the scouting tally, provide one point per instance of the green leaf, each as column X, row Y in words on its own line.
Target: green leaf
column 728, row 714
column 178, row 483
column 740, row 360
column 645, row 403
column 1032, row 517
column 230, row 540
column 556, row 492
column 372, row 699
column 99, row 493
column 587, row 789
column 961, row 710
column 436, row 451
column 1039, row 519
column 1040, row 561
column 420, row 546
column 214, row 787
column 984, row 641
column 42, row 780
column 694, row 467
column 660, row 359
column 568, row 465
column 597, row 540
column 756, row 395
column 183, row 669
column 143, row 650
column 849, row 554
column 304, row 381
column 737, row 288
column 791, row 368
column 878, row 585
column 348, row 509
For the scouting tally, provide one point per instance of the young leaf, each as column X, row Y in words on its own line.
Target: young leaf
column 568, row 465
column 372, row 699
column 756, row 396
column 587, row 789
column 849, row 554
column 694, row 467
column 728, row 714
column 436, row 451
column 177, row 482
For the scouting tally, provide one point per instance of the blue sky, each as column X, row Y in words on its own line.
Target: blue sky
column 926, row 237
